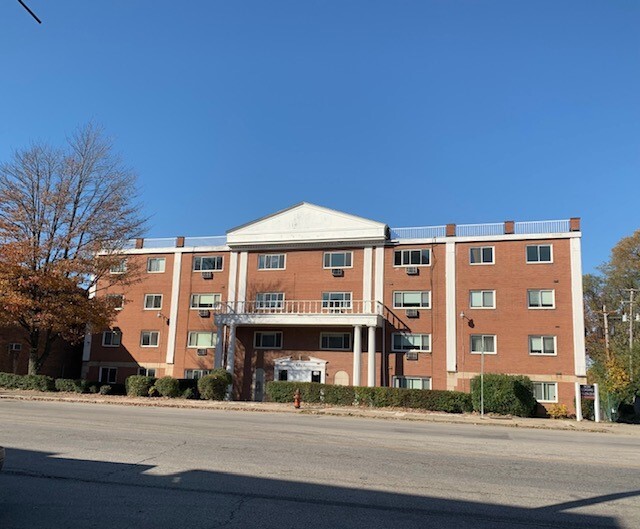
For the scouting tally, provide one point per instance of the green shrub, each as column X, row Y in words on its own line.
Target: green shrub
column 105, row 389
column 72, row 386
column 138, row 385
column 505, row 394
column 188, row 394
column 94, row 388
column 168, row 387
column 214, row 385
column 38, row 382
column 10, row 381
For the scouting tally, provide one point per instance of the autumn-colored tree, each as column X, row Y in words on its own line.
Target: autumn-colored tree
column 59, row 209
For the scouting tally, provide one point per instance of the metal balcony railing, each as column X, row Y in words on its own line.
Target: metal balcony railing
column 300, row 307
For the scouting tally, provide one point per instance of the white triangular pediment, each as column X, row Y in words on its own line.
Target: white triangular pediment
column 307, row 223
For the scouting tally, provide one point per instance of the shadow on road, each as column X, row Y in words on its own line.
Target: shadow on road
column 39, row 489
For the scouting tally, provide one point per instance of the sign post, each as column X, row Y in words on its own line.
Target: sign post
column 587, row 392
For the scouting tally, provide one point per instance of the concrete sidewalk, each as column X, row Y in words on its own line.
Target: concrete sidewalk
column 318, row 409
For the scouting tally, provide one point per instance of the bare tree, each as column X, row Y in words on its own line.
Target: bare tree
column 59, row 209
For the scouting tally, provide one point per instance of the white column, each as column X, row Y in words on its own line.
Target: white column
column 231, row 349
column 379, row 277
column 367, row 269
column 596, row 404
column 357, row 354
column 233, row 265
column 219, row 346
column 450, row 303
column 578, row 402
column 242, row 277
column 173, row 310
column 371, row 358
column 577, row 306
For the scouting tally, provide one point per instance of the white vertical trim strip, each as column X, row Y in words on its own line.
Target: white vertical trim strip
column 367, row 269
column 379, row 285
column 233, row 266
column 242, row 277
column 357, row 354
column 450, row 303
column 371, row 357
column 577, row 305
column 173, row 311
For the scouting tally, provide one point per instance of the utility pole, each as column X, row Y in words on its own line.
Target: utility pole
column 631, row 301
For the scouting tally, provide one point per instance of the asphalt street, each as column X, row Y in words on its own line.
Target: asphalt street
column 97, row 466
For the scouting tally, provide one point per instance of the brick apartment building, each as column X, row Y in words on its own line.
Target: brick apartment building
column 314, row 294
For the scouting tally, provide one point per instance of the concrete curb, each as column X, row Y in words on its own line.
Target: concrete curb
column 334, row 411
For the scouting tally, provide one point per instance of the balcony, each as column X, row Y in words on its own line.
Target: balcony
column 300, row 312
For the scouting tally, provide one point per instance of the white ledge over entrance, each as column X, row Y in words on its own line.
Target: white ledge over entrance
column 307, row 223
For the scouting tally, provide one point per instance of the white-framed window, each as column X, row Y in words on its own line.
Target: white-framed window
column 542, row 345
column 267, row 340
column 152, row 301
column 108, row 374
column 147, row 371
column 206, row 263
column 540, row 253
column 201, row 339
column 412, row 299
column 336, row 301
column 482, row 299
column 111, row 338
column 269, row 300
column 196, row 373
column 117, row 300
column 415, row 257
column 545, row 391
column 155, row 265
column 271, row 261
column 541, row 299
column 483, row 343
column 337, row 341
column 205, row 301
column 401, row 342
column 337, row 260
column 119, row 267
column 480, row 255
column 149, row 338
column 412, row 382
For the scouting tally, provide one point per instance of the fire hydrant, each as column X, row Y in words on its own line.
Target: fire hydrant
column 296, row 399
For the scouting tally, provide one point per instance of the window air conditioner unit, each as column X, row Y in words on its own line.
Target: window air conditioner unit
column 412, row 271
column 203, row 313
column 207, row 275
column 337, row 272
column 411, row 355
column 15, row 347
column 412, row 313
column 202, row 352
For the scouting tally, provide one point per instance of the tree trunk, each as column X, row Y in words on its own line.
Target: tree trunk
column 34, row 362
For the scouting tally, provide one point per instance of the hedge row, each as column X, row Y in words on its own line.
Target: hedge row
column 505, row 395
column 378, row 397
column 37, row 382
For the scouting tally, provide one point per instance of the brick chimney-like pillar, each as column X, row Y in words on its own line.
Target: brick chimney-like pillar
column 139, row 244
column 179, row 242
column 574, row 224
column 451, row 230
column 509, row 227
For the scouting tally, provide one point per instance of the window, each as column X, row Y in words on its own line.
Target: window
column 421, row 257
column 337, row 259
column 482, row 299
column 412, row 299
column 282, row 375
column 209, row 262
column 119, row 268
column 402, row 342
column 542, row 345
column 108, row 374
column 481, row 255
column 268, row 340
column 205, row 301
column 483, row 343
column 146, row 372
column 149, row 338
column 155, row 265
column 271, row 261
column 539, row 253
column 196, row 373
column 545, row 391
column 117, row 300
column 339, row 341
column 152, row 301
column 269, row 300
column 412, row 382
column 111, row 338
column 541, row 299
column 336, row 301
column 201, row 340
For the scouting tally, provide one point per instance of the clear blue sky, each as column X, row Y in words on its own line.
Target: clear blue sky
column 407, row 112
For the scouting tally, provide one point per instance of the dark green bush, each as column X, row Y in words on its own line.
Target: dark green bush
column 38, row 382
column 214, row 385
column 312, row 392
column 72, row 386
column 168, row 387
column 505, row 394
column 10, row 381
column 138, row 385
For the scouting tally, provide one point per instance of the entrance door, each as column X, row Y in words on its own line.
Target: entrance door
column 258, row 385
column 316, row 376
